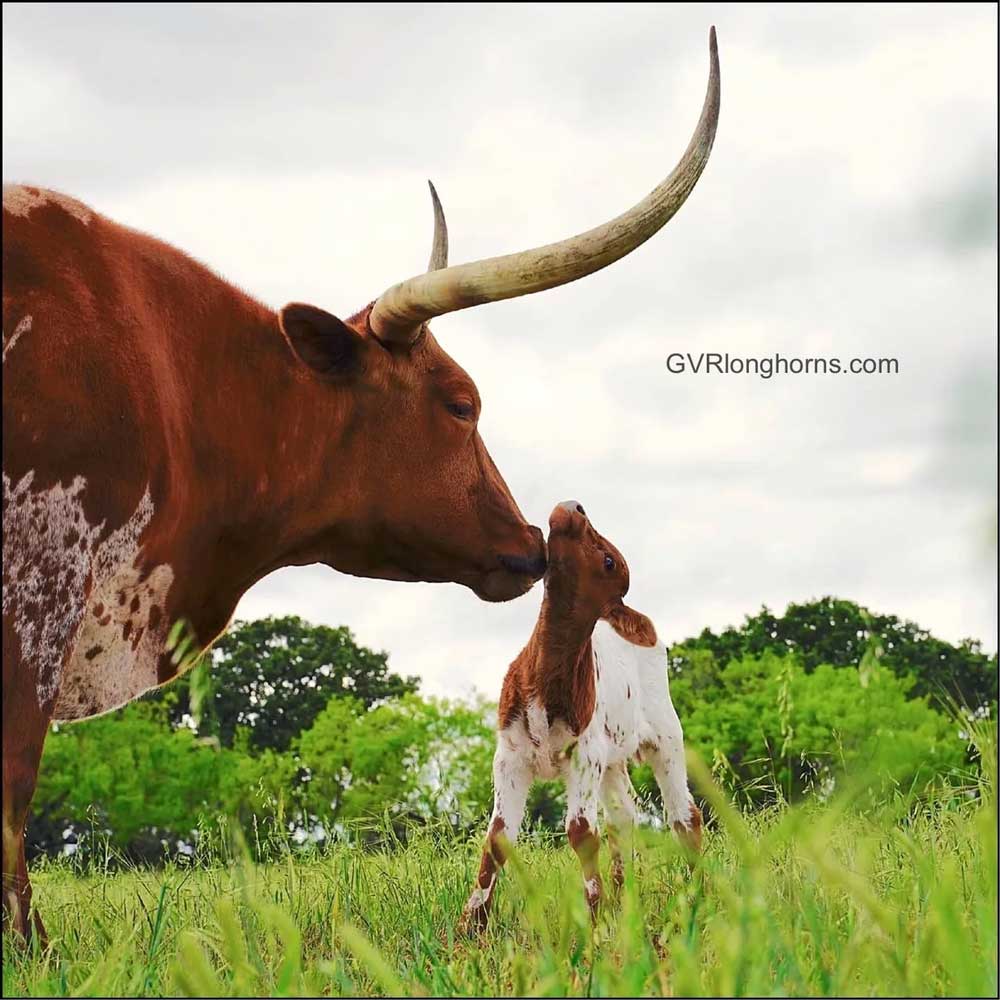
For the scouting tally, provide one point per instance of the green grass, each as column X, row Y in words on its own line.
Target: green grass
column 897, row 899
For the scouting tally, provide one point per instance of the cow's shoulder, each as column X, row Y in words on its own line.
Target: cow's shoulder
column 22, row 200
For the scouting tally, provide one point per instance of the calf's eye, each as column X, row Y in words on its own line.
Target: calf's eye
column 609, row 563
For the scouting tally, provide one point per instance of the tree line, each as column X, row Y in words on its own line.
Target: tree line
column 297, row 730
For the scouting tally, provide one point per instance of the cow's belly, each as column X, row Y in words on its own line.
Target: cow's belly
column 119, row 643
column 89, row 616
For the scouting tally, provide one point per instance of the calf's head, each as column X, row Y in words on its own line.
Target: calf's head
column 588, row 577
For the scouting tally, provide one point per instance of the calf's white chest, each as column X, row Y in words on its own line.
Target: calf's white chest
column 542, row 744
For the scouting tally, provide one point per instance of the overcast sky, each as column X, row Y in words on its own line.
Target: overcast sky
column 848, row 210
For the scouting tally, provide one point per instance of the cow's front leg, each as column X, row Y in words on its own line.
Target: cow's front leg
column 512, row 778
column 583, row 784
column 24, row 729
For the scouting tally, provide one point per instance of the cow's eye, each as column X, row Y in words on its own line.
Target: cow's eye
column 609, row 563
column 462, row 409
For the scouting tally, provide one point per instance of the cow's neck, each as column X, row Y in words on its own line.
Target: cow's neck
column 260, row 462
column 564, row 666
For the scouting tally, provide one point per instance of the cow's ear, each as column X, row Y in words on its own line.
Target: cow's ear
column 321, row 341
column 633, row 626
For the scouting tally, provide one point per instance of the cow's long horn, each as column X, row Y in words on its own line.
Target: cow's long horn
column 439, row 249
column 399, row 312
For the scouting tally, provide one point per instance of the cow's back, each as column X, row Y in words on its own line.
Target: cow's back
column 70, row 366
column 91, row 393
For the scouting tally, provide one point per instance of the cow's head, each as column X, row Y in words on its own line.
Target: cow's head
column 424, row 500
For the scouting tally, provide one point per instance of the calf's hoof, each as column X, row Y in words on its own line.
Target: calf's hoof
column 689, row 834
column 476, row 915
column 617, row 875
column 592, row 893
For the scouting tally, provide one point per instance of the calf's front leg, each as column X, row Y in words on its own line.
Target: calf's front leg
column 511, row 781
column 621, row 816
column 583, row 785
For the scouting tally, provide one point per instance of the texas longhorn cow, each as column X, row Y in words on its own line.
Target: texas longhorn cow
column 168, row 441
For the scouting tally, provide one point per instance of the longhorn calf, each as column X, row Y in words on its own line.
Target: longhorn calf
column 587, row 695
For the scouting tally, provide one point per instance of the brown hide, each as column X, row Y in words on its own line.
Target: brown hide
column 168, row 441
column 587, row 578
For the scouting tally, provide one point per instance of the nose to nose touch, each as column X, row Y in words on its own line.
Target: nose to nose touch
column 573, row 506
column 533, row 566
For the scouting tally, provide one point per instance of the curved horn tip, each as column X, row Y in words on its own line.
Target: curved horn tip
column 713, row 69
column 398, row 313
column 439, row 249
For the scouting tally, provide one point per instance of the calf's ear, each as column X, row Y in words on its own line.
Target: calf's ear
column 321, row 341
column 632, row 626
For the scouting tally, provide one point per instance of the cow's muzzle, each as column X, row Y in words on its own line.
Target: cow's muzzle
column 515, row 574
column 533, row 566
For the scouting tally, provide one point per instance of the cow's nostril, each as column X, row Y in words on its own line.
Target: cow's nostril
column 580, row 510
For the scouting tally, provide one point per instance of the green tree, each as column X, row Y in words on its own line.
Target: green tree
column 274, row 676
column 838, row 633
column 409, row 757
column 131, row 777
column 773, row 728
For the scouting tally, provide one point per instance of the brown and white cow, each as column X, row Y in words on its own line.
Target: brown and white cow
column 168, row 441
column 586, row 696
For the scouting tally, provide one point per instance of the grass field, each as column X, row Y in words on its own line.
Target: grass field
column 893, row 900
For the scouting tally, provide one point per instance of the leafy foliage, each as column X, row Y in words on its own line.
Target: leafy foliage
column 346, row 747
column 775, row 729
column 409, row 757
column 274, row 676
column 838, row 633
column 131, row 781
column 134, row 776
